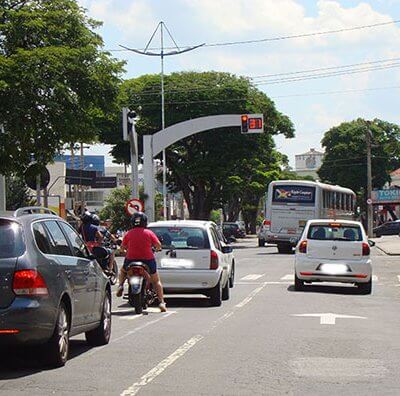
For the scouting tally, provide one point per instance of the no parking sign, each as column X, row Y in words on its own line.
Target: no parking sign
column 133, row 206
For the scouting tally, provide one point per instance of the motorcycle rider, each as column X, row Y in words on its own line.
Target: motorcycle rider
column 106, row 235
column 90, row 233
column 138, row 243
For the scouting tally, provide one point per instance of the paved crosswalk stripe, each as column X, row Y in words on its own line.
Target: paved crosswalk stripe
column 252, row 277
column 287, row 277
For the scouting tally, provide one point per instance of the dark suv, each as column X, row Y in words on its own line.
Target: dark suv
column 51, row 287
column 233, row 229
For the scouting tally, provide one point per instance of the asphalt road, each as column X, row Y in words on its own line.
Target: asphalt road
column 253, row 345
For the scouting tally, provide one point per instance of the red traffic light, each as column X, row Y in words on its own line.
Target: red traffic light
column 245, row 121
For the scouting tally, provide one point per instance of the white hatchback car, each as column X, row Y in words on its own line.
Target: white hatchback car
column 334, row 251
column 194, row 259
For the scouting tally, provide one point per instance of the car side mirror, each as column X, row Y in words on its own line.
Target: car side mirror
column 371, row 243
column 227, row 249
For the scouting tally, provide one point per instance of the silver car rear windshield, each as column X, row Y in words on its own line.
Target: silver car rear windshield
column 335, row 232
column 11, row 239
column 182, row 237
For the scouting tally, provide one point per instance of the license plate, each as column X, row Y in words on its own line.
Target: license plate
column 334, row 269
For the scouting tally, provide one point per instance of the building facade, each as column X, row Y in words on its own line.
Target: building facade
column 308, row 164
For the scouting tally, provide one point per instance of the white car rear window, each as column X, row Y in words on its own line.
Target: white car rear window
column 182, row 237
column 335, row 232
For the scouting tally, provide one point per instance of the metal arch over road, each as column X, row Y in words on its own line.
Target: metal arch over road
column 154, row 144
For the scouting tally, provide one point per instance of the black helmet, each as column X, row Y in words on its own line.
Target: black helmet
column 139, row 219
column 86, row 218
column 95, row 220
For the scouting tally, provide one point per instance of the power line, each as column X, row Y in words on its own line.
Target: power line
column 280, row 38
column 304, row 77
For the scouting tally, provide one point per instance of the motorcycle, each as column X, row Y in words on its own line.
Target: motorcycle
column 103, row 257
column 140, row 289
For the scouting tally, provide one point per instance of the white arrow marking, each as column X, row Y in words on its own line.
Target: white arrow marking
column 329, row 318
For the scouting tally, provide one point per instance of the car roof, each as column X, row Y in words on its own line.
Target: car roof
column 181, row 223
column 29, row 218
column 329, row 221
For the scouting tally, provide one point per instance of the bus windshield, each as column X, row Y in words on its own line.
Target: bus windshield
column 293, row 194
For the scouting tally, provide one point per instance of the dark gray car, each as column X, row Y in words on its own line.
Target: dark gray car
column 51, row 287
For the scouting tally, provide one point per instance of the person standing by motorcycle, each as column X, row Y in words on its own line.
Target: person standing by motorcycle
column 106, row 235
column 138, row 243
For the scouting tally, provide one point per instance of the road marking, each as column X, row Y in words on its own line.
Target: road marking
column 252, row 277
column 375, row 278
column 288, row 277
column 278, row 283
column 162, row 366
column 329, row 318
column 250, row 296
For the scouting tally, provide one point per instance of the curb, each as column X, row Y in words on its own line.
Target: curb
column 384, row 251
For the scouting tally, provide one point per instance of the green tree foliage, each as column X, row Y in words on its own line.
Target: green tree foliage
column 345, row 161
column 17, row 193
column 217, row 167
column 57, row 86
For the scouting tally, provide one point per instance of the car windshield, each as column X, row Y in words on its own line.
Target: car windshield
column 11, row 240
column 182, row 237
column 335, row 232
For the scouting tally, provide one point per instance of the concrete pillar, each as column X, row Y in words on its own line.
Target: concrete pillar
column 148, row 170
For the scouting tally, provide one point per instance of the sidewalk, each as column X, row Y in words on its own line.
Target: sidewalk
column 389, row 245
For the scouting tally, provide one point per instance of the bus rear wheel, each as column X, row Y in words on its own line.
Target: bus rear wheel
column 284, row 248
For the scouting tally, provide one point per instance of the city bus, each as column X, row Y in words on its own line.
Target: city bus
column 290, row 203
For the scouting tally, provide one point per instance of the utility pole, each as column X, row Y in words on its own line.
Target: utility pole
column 2, row 193
column 129, row 134
column 370, row 208
column 161, row 25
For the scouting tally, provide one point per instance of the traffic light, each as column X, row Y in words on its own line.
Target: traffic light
column 245, row 123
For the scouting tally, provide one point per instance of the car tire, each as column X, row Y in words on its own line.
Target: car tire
column 232, row 277
column 365, row 288
column 216, row 295
column 298, row 283
column 285, row 249
column 226, row 291
column 58, row 346
column 261, row 242
column 102, row 333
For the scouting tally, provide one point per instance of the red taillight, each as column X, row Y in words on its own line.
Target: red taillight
column 303, row 247
column 29, row 283
column 214, row 263
column 267, row 224
column 9, row 331
column 365, row 249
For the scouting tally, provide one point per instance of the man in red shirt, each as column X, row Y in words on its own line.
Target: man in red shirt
column 138, row 243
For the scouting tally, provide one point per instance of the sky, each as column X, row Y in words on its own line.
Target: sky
column 315, row 104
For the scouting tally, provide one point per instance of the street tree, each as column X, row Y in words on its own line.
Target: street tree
column 57, row 85
column 345, row 161
column 217, row 166
column 17, row 193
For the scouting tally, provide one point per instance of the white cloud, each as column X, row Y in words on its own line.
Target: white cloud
column 133, row 19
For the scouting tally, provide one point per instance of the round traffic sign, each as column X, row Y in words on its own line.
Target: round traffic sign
column 369, row 201
column 134, row 205
column 33, row 171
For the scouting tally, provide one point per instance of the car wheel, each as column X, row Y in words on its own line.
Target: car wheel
column 101, row 334
column 114, row 276
column 226, row 291
column 58, row 345
column 285, row 249
column 298, row 283
column 216, row 295
column 232, row 277
column 261, row 242
column 365, row 288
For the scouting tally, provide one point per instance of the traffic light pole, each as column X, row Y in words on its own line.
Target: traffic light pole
column 370, row 208
column 129, row 134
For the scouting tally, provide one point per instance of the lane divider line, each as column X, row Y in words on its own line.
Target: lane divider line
column 251, row 296
column 162, row 366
